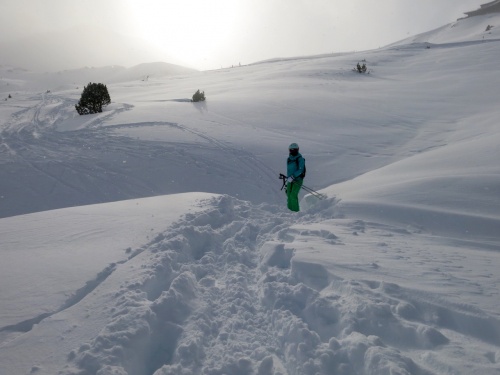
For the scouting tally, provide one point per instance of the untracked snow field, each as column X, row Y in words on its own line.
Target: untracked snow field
column 153, row 238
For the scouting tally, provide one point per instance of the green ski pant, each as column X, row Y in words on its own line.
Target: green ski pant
column 292, row 193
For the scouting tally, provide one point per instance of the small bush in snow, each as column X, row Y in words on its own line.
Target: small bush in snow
column 199, row 96
column 361, row 68
column 94, row 97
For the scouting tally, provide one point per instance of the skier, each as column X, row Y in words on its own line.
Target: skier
column 296, row 171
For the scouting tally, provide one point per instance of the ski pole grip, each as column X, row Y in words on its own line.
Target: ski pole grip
column 283, row 178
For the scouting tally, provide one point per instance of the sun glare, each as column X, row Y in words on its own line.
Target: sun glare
column 190, row 31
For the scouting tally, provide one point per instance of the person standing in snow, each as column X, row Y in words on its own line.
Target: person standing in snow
column 296, row 171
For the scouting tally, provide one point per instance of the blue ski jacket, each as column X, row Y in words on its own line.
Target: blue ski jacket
column 295, row 166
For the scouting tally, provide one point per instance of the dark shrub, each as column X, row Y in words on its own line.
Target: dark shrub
column 199, row 96
column 94, row 97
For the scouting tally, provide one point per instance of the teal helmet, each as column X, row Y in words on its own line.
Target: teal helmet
column 293, row 146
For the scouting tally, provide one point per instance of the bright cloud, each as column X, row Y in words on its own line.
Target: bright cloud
column 191, row 30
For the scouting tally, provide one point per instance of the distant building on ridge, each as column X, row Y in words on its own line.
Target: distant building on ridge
column 492, row 7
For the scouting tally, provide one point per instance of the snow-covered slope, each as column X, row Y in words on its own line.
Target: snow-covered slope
column 396, row 272
column 232, row 287
column 453, row 158
column 482, row 28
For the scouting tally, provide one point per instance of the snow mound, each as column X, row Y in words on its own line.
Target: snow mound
column 451, row 190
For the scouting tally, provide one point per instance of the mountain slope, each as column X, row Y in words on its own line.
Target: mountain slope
column 477, row 28
column 396, row 272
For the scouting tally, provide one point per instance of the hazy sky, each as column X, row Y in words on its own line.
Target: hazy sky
column 208, row 34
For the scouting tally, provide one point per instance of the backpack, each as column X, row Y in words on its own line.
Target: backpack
column 303, row 174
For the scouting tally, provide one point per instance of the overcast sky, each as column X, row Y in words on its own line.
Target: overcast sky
column 207, row 34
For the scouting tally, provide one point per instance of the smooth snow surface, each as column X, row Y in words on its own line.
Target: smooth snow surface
column 153, row 238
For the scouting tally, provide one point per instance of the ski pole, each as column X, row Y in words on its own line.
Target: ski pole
column 283, row 177
column 314, row 192
column 308, row 189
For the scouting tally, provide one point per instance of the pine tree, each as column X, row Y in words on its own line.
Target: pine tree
column 94, row 97
column 199, row 96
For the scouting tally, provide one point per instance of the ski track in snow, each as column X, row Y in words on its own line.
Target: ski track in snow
column 202, row 278
column 74, row 165
column 244, row 158
column 222, row 292
column 27, row 325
